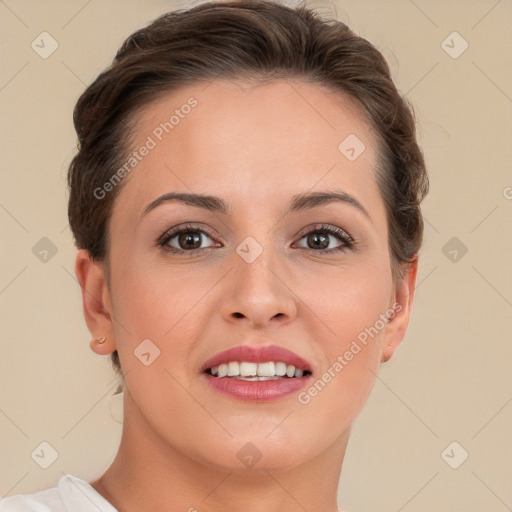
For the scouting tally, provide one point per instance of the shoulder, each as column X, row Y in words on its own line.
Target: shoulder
column 71, row 494
column 48, row 500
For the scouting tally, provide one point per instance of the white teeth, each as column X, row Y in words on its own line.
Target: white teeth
column 266, row 369
column 223, row 370
column 244, row 370
column 248, row 369
column 281, row 369
column 233, row 368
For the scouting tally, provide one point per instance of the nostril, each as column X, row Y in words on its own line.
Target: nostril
column 238, row 315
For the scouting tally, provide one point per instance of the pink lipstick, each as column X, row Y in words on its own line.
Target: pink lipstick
column 257, row 373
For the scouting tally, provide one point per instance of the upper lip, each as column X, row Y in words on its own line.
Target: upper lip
column 257, row 354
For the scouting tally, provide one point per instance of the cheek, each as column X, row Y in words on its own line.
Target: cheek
column 339, row 391
column 352, row 307
column 166, row 305
column 152, row 300
column 347, row 300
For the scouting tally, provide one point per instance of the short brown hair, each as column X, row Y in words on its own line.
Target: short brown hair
column 255, row 39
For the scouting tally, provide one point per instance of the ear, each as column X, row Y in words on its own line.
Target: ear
column 402, row 304
column 97, row 306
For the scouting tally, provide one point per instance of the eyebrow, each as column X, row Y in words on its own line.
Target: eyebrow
column 299, row 202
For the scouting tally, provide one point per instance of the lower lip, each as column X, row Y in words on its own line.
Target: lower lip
column 257, row 391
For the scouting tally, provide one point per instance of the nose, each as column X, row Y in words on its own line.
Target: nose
column 259, row 293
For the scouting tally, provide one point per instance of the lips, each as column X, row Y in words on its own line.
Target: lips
column 259, row 373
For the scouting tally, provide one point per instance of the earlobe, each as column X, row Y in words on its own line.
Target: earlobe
column 96, row 302
column 398, row 322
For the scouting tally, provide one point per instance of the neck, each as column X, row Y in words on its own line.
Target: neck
column 148, row 473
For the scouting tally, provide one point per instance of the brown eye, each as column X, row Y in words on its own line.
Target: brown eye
column 318, row 240
column 327, row 239
column 187, row 239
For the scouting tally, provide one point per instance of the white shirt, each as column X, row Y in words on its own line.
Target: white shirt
column 71, row 494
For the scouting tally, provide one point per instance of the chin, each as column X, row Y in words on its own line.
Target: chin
column 246, row 454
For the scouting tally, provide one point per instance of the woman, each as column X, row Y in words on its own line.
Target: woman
column 246, row 205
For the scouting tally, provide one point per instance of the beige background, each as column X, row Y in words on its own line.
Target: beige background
column 451, row 379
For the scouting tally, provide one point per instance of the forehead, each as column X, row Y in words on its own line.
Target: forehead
column 253, row 142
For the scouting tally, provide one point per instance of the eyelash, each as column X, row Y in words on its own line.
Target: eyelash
column 347, row 242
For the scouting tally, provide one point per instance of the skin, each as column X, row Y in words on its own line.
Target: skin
column 255, row 147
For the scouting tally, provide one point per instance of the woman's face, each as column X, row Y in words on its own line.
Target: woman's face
column 268, row 264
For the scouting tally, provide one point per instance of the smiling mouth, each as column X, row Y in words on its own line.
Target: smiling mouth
column 252, row 371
